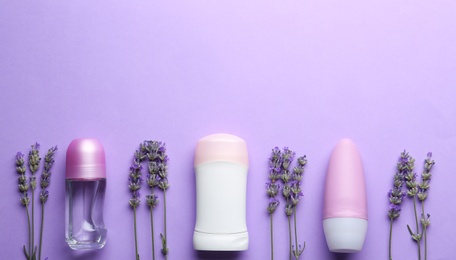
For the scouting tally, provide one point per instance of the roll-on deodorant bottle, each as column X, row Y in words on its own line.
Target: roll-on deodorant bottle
column 85, row 191
column 345, row 202
column 221, row 165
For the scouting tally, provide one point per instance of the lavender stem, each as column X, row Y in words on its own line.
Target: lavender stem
column 289, row 232
column 41, row 230
column 30, row 232
column 417, row 228
column 390, row 238
column 272, row 237
column 424, row 232
column 136, row 237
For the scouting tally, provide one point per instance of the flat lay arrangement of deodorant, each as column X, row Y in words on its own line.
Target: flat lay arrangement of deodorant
column 221, row 165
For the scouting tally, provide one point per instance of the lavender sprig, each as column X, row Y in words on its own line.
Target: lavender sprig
column 34, row 160
column 287, row 158
column 423, row 194
column 44, row 194
column 273, row 188
column 412, row 191
column 296, row 192
column 22, row 180
column 25, row 200
column 158, row 176
column 153, row 180
column 34, row 164
column 396, row 195
column 279, row 169
column 135, row 181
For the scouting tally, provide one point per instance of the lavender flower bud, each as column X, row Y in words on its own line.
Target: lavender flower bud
column 135, row 184
column 152, row 200
column 302, row 161
column 23, row 187
column 22, row 179
column 164, row 158
column 155, row 150
column 295, row 188
column 25, row 200
column 272, row 189
column 289, row 209
column 19, row 158
column 396, row 200
column 274, row 174
column 163, row 184
column 44, row 194
column 162, row 170
column 34, row 158
column 297, row 173
column 49, row 159
column 273, row 204
column 422, row 195
column 20, row 168
column 287, row 158
column 152, row 180
column 153, row 167
column 394, row 211
column 134, row 202
column 45, row 181
column 295, row 198
column 286, row 176
column 424, row 185
column 412, row 191
column 139, row 156
column 425, row 220
column 33, row 182
column 275, row 163
column 275, row 158
column 286, row 191
column 143, row 147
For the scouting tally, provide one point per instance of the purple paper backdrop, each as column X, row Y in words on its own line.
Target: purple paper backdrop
column 302, row 74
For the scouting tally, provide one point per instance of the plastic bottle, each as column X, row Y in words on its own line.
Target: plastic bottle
column 85, row 191
column 345, row 201
column 221, row 165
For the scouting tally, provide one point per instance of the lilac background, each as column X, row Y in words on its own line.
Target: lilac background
column 298, row 73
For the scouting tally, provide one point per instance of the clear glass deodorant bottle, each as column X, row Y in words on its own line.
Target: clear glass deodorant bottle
column 85, row 191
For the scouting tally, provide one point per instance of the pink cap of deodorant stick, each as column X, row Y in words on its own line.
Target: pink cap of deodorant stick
column 221, row 147
column 345, row 190
column 85, row 160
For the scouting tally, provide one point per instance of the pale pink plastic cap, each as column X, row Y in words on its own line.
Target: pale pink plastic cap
column 345, row 190
column 221, row 147
column 85, row 159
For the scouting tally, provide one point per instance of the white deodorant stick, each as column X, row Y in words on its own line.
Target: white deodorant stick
column 221, row 165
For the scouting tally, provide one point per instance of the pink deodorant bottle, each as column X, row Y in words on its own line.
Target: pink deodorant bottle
column 85, row 192
column 221, row 165
column 345, row 202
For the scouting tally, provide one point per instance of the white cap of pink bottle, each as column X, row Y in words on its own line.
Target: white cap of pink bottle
column 345, row 202
column 221, row 166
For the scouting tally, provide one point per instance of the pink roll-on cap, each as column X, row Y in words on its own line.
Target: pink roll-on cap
column 345, row 190
column 221, row 147
column 85, row 159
